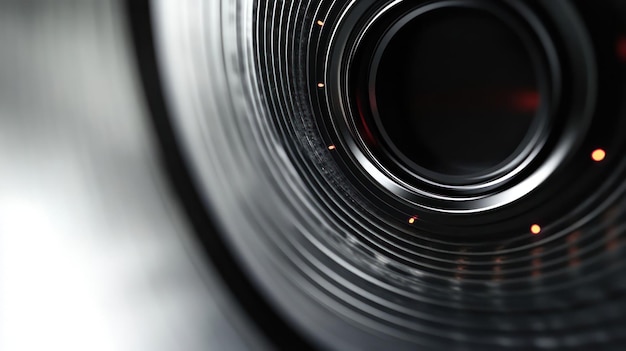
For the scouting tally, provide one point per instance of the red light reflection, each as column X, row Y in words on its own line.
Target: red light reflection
column 369, row 136
column 620, row 48
column 525, row 101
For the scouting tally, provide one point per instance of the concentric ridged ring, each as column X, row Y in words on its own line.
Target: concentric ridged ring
column 323, row 245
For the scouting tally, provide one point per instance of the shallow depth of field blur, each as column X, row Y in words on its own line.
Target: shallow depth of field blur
column 94, row 252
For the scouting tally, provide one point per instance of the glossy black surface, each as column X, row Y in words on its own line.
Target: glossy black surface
column 456, row 90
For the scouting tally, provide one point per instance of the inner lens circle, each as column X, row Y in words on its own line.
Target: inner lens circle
column 455, row 91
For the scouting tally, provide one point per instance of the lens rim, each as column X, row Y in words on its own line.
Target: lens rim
column 545, row 156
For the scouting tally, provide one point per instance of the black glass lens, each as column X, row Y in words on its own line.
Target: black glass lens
column 456, row 91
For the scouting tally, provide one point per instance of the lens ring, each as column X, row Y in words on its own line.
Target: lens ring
column 472, row 198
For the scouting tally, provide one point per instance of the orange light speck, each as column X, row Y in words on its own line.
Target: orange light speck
column 535, row 229
column 598, row 155
column 412, row 220
column 320, row 23
column 332, row 147
column 320, row 85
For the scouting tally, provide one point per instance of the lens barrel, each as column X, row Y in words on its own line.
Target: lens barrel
column 442, row 174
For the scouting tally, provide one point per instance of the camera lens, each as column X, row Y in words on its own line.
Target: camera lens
column 455, row 91
column 460, row 106
column 415, row 174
